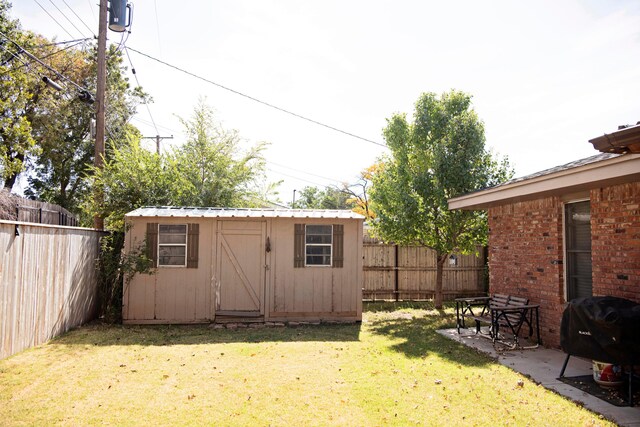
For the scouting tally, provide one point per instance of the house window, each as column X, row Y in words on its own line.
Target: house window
column 318, row 243
column 172, row 245
column 578, row 250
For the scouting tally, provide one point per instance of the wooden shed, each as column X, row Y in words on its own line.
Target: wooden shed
column 223, row 265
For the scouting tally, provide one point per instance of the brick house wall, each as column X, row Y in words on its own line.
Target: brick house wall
column 525, row 258
column 615, row 241
column 526, row 251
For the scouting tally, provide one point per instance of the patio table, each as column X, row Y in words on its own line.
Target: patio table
column 465, row 307
column 499, row 312
column 515, row 318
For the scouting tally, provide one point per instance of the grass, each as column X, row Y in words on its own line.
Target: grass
column 393, row 369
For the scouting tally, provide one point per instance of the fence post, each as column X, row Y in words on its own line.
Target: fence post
column 397, row 276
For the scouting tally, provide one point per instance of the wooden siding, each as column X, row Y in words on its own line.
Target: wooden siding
column 48, row 282
column 395, row 272
column 319, row 292
column 172, row 294
column 180, row 295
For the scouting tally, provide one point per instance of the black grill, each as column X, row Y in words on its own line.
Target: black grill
column 606, row 329
column 602, row 328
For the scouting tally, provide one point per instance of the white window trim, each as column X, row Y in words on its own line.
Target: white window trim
column 318, row 244
column 186, row 241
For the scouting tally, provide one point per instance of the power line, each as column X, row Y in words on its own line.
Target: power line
column 256, row 99
column 61, row 50
column 133, row 70
column 300, row 179
column 76, row 41
column 158, row 139
column 81, row 20
column 6, row 61
column 138, row 119
column 92, row 12
column 123, row 40
column 24, row 64
column 54, row 19
column 43, row 58
column 304, row 172
column 317, row 184
column 30, row 69
column 155, row 6
column 53, row 70
column 67, row 18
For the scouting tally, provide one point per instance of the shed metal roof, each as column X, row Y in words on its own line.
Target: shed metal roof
column 204, row 212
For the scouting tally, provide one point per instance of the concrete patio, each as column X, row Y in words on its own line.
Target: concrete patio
column 543, row 366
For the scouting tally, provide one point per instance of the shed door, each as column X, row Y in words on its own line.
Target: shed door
column 241, row 268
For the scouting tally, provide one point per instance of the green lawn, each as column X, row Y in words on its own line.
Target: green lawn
column 393, row 369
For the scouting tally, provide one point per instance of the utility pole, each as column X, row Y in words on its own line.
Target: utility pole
column 98, row 221
column 158, row 138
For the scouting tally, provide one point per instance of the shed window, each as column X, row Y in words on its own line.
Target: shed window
column 169, row 249
column 318, row 242
column 318, row 245
column 172, row 245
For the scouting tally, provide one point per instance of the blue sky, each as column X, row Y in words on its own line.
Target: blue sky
column 545, row 76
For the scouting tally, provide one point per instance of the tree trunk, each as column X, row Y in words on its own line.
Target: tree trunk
column 437, row 298
column 8, row 183
column 11, row 179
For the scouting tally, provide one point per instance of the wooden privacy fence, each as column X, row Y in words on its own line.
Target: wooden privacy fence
column 15, row 208
column 48, row 282
column 393, row 272
column 43, row 213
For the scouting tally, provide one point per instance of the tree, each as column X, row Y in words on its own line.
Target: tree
column 208, row 170
column 440, row 155
column 329, row 198
column 216, row 171
column 360, row 192
column 266, row 195
column 61, row 126
column 132, row 177
column 49, row 131
column 308, row 198
column 15, row 97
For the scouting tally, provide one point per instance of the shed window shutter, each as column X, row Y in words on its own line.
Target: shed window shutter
column 298, row 246
column 338, row 245
column 192, row 245
column 152, row 242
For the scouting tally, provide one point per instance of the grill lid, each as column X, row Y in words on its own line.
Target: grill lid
column 602, row 328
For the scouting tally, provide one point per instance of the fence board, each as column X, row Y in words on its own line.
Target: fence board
column 15, row 208
column 409, row 272
column 48, row 282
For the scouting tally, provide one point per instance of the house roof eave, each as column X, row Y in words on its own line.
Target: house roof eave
column 612, row 171
column 624, row 140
